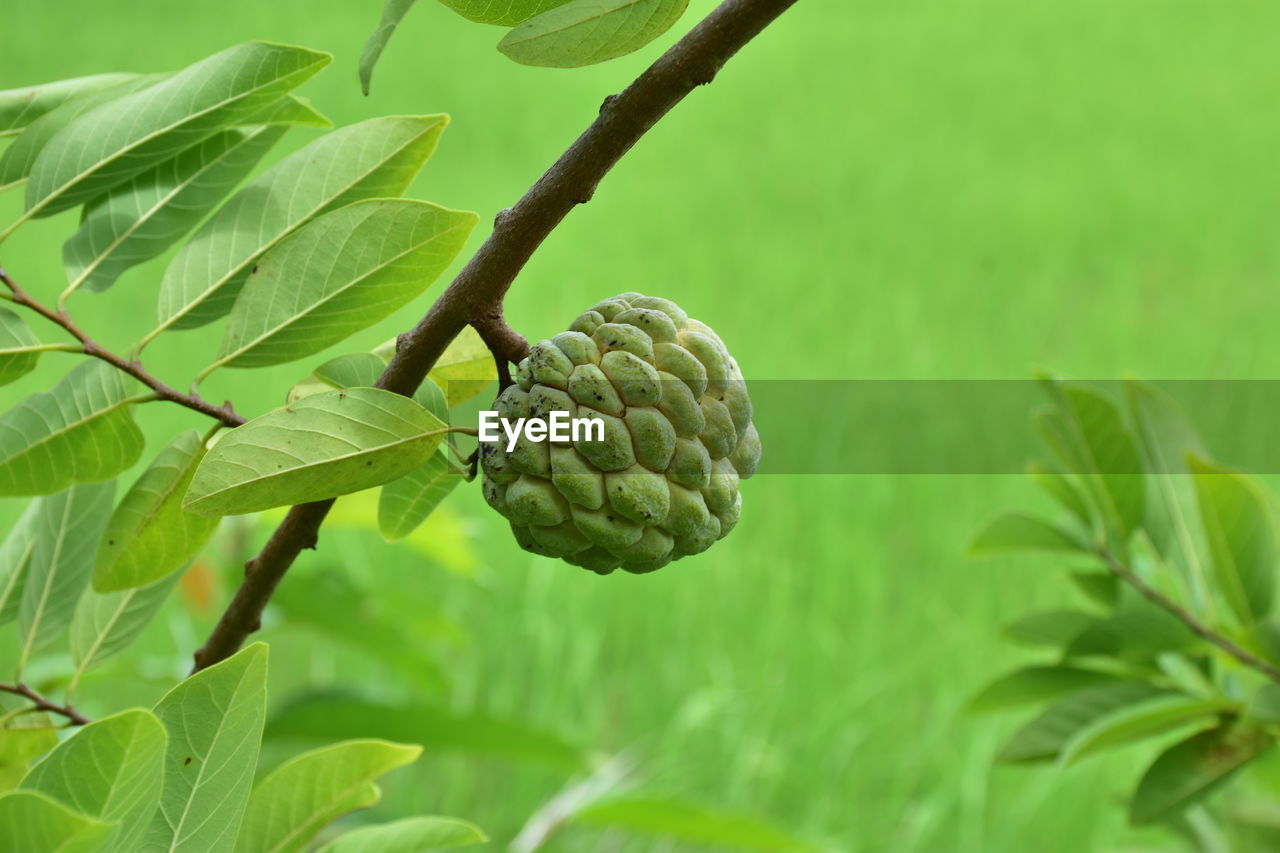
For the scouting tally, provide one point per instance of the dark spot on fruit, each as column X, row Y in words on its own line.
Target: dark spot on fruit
column 111, row 541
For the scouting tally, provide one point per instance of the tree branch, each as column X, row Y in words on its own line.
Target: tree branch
column 477, row 292
column 40, row 703
column 506, row 344
column 1186, row 617
column 223, row 413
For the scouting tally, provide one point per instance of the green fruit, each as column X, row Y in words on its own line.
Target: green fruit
column 678, row 439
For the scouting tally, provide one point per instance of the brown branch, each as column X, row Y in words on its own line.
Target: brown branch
column 1186, row 617
column 134, row 368
column 40, row 703
column 478, row 290
column 506, row 344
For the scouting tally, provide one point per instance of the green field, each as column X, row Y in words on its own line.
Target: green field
column 871, row 190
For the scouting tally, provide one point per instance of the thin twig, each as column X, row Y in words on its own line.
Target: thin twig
column 479, row 289
column 1186, row 617
column 40, row 703
column 134, row 368
column 507, row 346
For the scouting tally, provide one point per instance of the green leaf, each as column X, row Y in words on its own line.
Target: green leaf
column 302, row 796
column 150, row 536
column 393, row 12
column 109, row 770
column 354, row 370
column 465, row 368
column 1189, row 771
column 81, row 431
column 1050, row 628
column 378, row 158
column 66, row 528
column 506, row 13
column 584, row 32
column 19, row 348
column 331, row 717
column 405, row 503
column 1036, row 684
column 1063, row 489
column 329, row 604
column 1014, row 531
column 214, row 720
column 411, row 835
column 1048, row 732
column 18, row 158
column 106, row 623
column 357, row 370
column 1264, row 706
column 321, row 446
column 23, row 738
column 291, row 110
column 1165, row 436
column 140, row 219
column 1092, row 436
column 1134, row 723
column 1101, row 588
column 1241, row 538
column 20, row 107
column 33, row 823
column 15, row 560
column 123, row 138
column 691, row 824
column 431, row 397
column 337, row 275
column 1140, row 631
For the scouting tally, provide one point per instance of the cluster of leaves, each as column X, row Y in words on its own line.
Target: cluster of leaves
column 294, row 260
column 552, row 33
column 180, row 777
column 314, row 248
column 1174, row 640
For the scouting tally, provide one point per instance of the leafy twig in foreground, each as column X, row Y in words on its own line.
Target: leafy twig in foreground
column 223, row 413
column 478, row 290
column 40, row 703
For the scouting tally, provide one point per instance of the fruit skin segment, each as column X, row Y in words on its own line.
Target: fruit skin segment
column 678, row 439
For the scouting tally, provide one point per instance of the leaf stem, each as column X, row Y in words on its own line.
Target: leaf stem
column 1186, row 617
column 40, row 703
column 224, row 413
column 480, row 287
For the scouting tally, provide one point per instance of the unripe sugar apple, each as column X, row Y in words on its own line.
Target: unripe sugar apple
column 678, row 438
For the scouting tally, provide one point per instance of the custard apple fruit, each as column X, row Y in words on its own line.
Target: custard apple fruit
column 678, row 438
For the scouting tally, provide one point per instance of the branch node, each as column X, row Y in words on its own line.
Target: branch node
column 608, row 102
column 502, row 217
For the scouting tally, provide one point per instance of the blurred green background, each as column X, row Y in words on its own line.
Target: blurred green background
column 878, row 189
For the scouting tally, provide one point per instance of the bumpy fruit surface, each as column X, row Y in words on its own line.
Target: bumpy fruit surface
column 677, row 439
